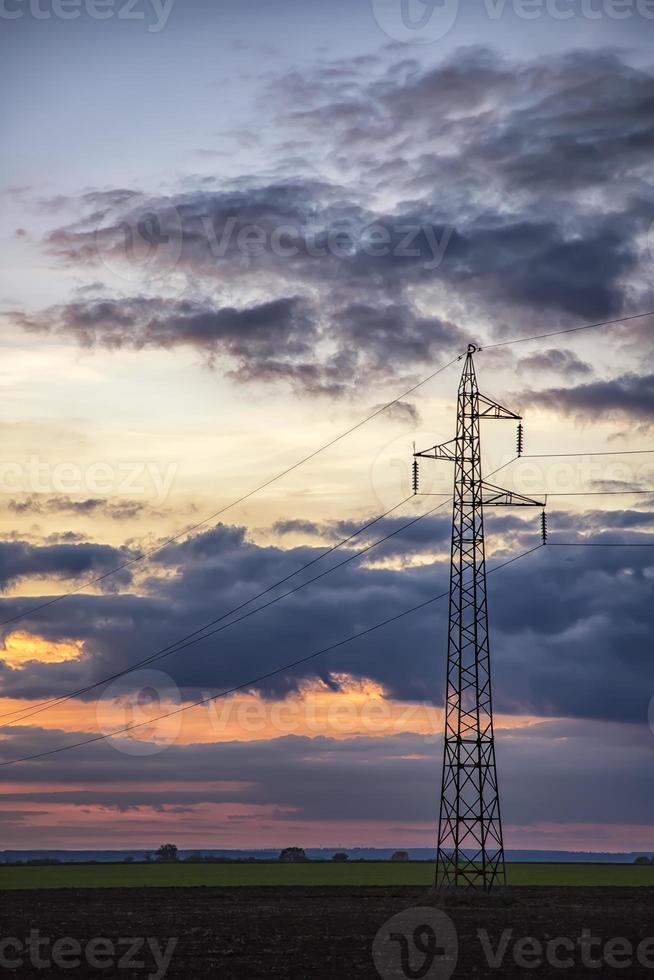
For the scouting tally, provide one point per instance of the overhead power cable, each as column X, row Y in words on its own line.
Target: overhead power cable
column 592, row 493
column 246, row 496
column 560, row 333
column 600, row 544
column 278, row 476
column 603, row 452
column 203, row 632
column 562, row 493
column 255, row 680
column 177, row 644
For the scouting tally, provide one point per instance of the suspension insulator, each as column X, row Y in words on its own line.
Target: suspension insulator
column 520, row 439
column 543, row 526
column 416, row 476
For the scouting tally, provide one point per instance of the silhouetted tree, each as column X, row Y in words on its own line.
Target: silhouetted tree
column 167, row 853
column 643, row 860
column 400, row 856
column 293, row 855
column 340, row 857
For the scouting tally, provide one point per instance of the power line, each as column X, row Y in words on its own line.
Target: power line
column 262, row 486
column 256, row 680
column 559, row 333
column 192, row 638
column 601, row 544
column 593, row 493
column 571, row 493
column 607, row 452
column 89, row 583
column 187, row 640
column 182, row 642
column 238, row 500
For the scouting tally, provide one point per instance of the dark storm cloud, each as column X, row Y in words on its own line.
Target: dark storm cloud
column 563, row 362
column 257, row 339
column 292, row 233
column 489, row 162
column 270, row 341
column 627, row 398
column 570, row 628
column 396, row 333
column 530, row 135
column 427, row 534
column 557, row 123
column 20, row 559
column 597, row 521
column 573, row 635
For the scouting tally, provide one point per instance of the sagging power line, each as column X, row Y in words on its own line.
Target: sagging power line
column 90, row 583
column 204, row 632
column 253, row 681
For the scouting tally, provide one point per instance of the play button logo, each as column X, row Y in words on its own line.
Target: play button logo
column 416, row 21
column 417, row 944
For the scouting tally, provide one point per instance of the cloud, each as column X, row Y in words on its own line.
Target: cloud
column 553, row 771
column 569, row 628
column 626, row 398
column 294, row 526
column 279, row 339
column 20, row 559
column 401, row 412
column 484, row 165
column 536, row 126
column 269, row 337
column 558, row 361
column 118, row 510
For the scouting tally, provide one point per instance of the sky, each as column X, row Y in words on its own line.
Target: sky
column 230, row 233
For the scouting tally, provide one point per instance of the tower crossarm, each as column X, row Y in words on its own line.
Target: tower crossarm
column 446, row 450
column 489, row 409
column 498, row 497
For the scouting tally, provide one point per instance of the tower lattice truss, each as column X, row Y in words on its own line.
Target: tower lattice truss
column 470, row 844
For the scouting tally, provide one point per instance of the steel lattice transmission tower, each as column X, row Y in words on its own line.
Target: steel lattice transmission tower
column 470, row 845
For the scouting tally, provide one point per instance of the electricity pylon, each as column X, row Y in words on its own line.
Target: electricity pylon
column 470, row 844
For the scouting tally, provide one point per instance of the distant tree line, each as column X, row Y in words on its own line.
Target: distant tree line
column 169, row 854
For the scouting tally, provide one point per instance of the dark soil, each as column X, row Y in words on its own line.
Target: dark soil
column 328, row 933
